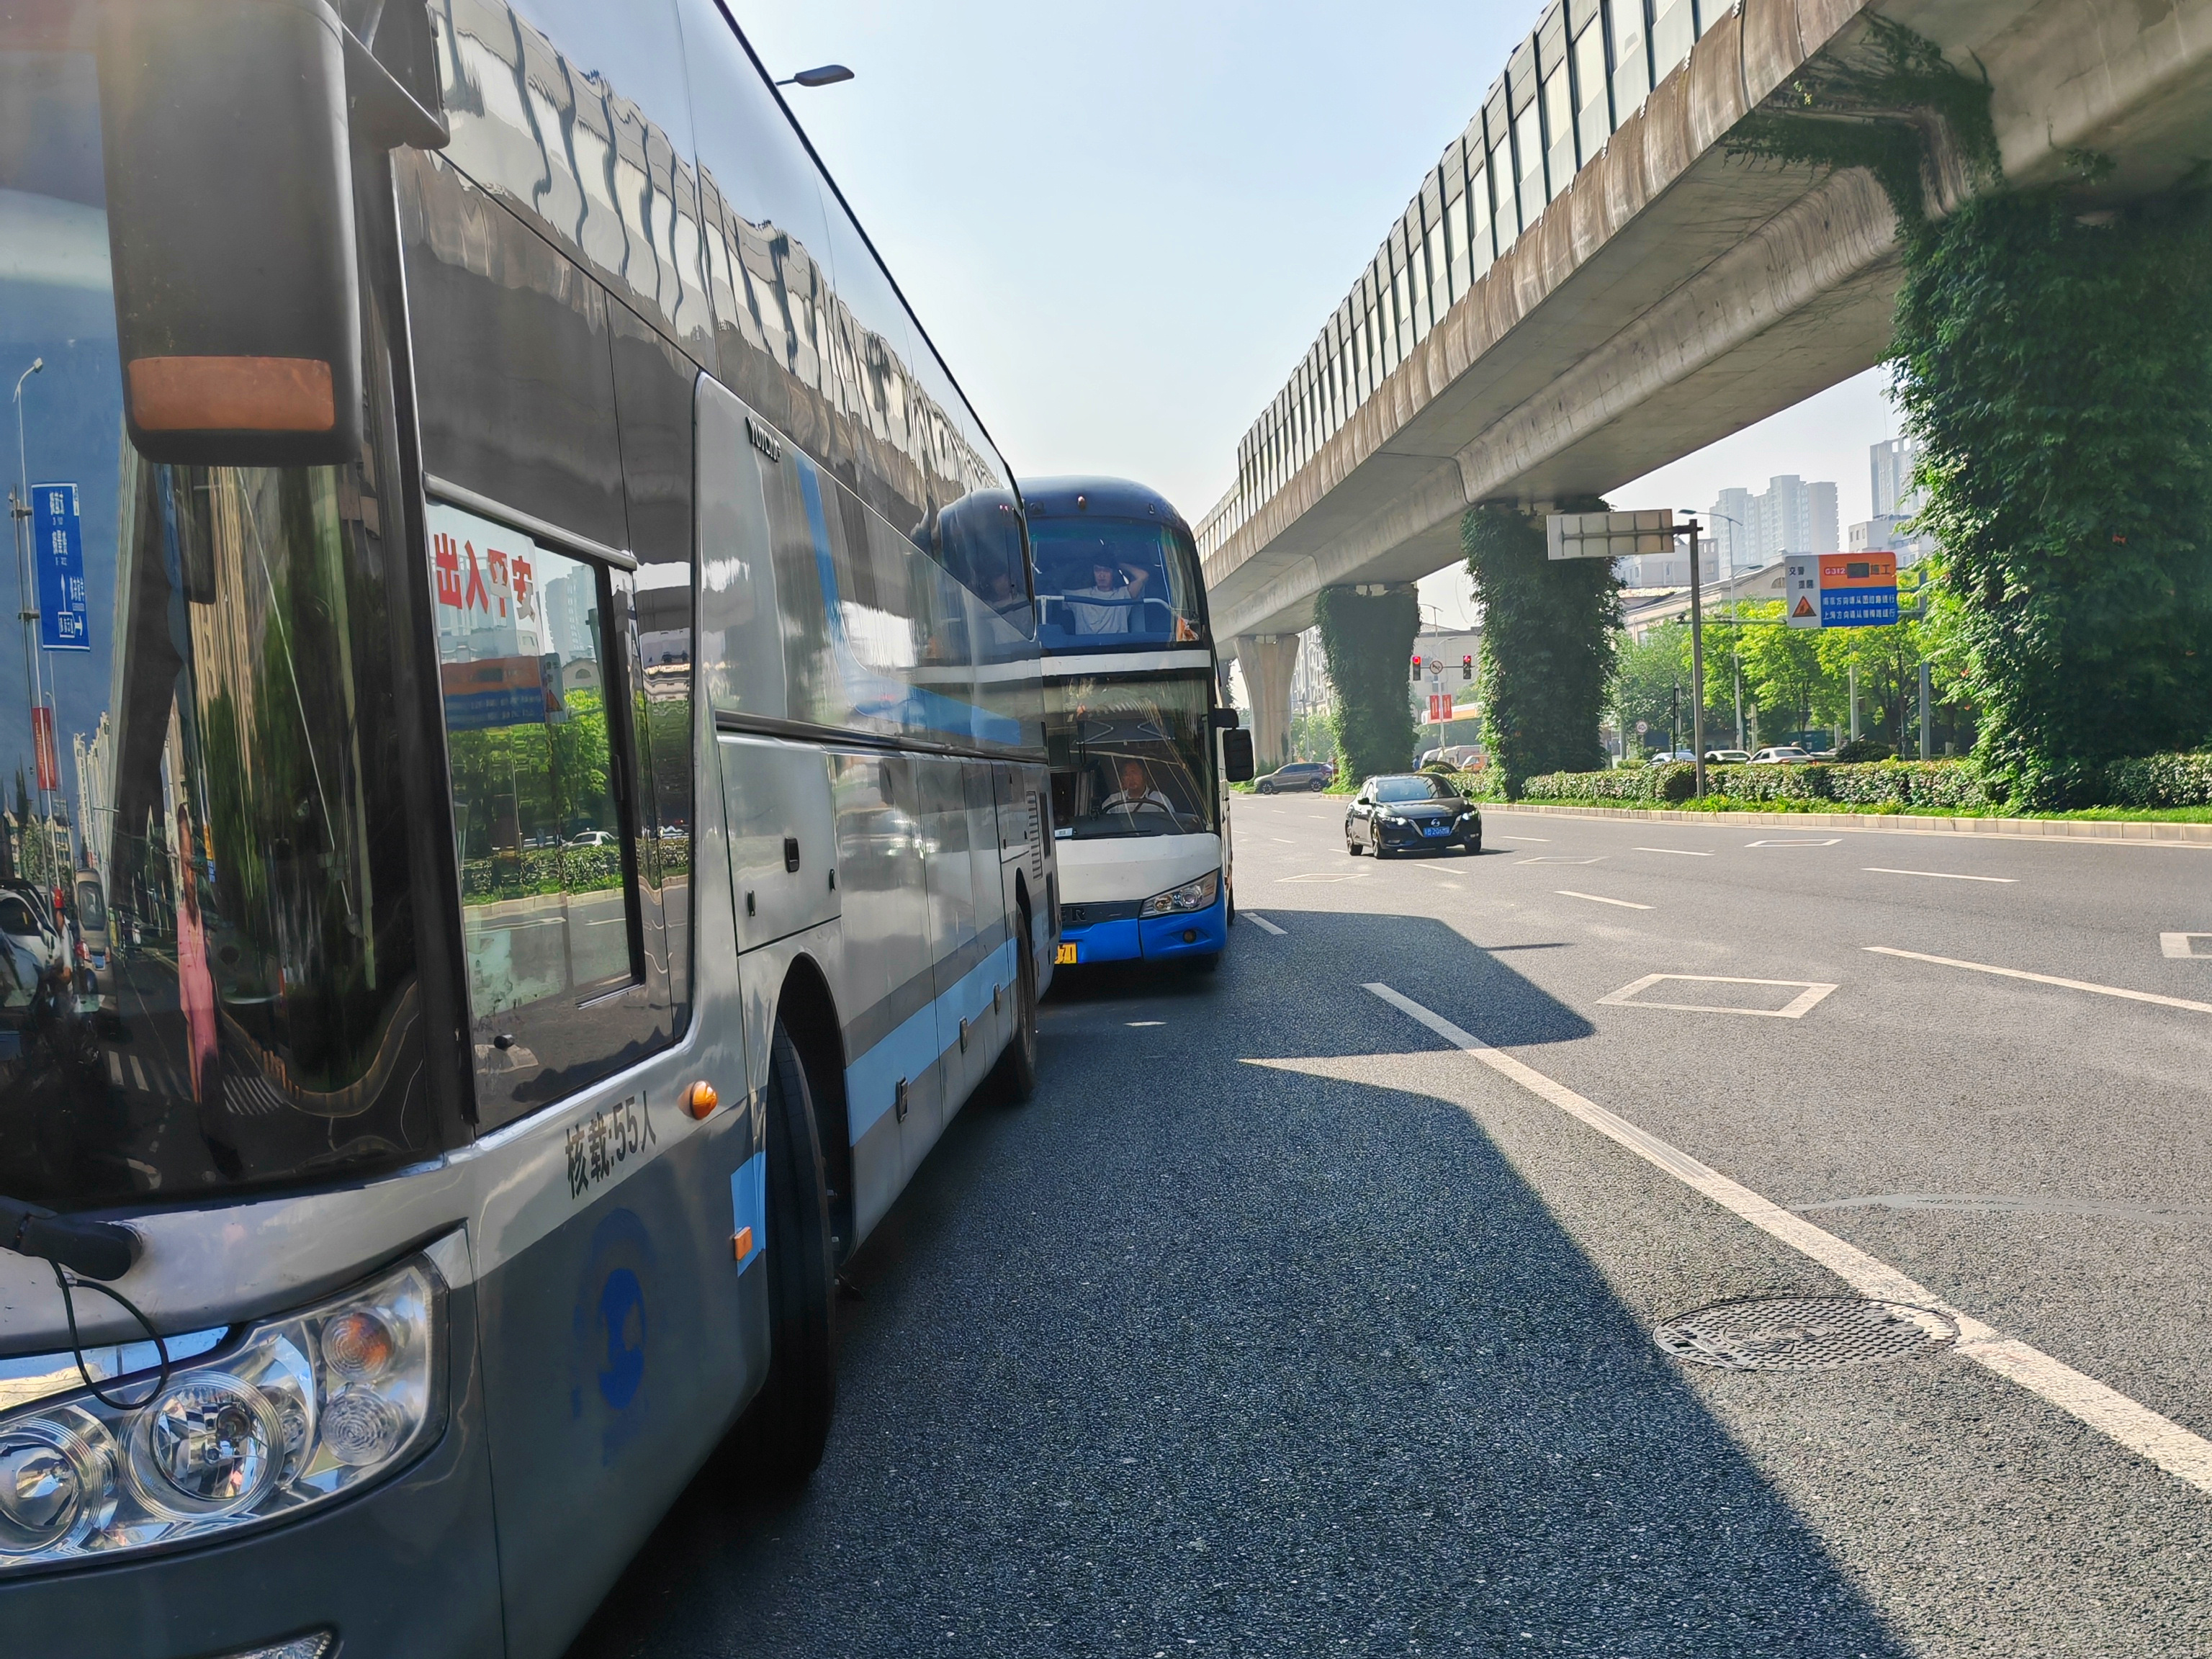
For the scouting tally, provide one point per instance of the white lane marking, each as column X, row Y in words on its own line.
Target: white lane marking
column 2045, row 978
column 1545, row 840
column 1286, row 840
column 1600, row 859
column 2177, row 944
column 1833, row 840
column 1809, row 993
column 115, row 1067
column 138, row 1075
column 1940, row 875
column 1352, row 875
column 1266, row 925
column 1141, row 1024
column 2136, row 1426
column 1599, row 898
column 1678, row 852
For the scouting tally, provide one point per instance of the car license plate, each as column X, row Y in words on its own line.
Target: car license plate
column 1066, row 958
column 1435, row 828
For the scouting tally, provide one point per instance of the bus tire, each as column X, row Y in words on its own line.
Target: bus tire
column 783, row 1433
column 1014, row 1077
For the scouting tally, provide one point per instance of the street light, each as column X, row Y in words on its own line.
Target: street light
column 825, row 74
column 20, row 507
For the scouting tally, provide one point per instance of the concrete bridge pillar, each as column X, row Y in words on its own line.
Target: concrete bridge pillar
column 1367, row 639
column 1269, row 660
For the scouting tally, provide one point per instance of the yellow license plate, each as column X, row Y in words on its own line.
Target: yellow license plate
column 1067, row 957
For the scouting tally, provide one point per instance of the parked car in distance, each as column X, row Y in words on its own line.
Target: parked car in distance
column 1664, row 757
column 1461, row 756
column 1787, row 754
column 1727, row 756
column 592, row 838
column 1411, row 810
column 1312, row 777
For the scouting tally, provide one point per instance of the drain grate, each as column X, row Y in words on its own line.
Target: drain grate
column 1804, row 1332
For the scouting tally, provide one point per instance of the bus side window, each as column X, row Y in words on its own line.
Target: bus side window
column 547, row 921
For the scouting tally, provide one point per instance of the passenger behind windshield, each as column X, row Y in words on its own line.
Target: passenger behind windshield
column 1125, row 579
column 1396, row 791
column 1104, row 606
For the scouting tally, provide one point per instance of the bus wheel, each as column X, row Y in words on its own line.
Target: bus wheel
column 784, row 1430
column 1015, row 1075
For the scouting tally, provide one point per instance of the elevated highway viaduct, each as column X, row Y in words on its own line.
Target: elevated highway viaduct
column 1588, row 285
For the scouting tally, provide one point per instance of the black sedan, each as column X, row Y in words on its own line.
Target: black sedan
column 1410, row 812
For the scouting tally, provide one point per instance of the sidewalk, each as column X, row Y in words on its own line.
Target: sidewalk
column 1895, row 824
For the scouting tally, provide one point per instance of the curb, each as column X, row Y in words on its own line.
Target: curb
column 2141, row 833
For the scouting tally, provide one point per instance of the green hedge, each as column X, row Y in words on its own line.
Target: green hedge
column 1640, row 785
column 2150, row 781
column 2161, row 780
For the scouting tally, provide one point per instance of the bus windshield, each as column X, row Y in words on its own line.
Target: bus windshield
column 1103, row 583
column 1129, row 758
column 195, row 723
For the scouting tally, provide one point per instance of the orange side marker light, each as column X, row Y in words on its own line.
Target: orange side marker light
column 741, row 1244
column 701, row 1098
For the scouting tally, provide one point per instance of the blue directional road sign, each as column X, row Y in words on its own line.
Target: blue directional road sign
column 58, row 553
column 1858, row 590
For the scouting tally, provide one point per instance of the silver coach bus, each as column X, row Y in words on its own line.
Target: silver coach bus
column 539, row 658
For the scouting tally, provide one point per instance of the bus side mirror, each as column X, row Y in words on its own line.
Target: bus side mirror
column 1225, row 717
column 231, row 226
column 1236, row 755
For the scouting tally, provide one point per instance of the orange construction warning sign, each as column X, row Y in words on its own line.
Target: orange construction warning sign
column 1858, row 570
column 1804, row 609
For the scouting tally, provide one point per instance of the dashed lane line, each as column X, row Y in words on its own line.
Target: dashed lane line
column 1678, row 852
column 1600, row 898
column 1938, row 875
column 1266, row 925
column 2047, row 979
column 2182, row 945
column 2158, row 1439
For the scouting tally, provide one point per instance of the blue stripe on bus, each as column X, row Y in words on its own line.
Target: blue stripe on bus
column 872, row 1080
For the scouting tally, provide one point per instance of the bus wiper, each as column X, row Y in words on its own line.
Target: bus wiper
column 98, row 1250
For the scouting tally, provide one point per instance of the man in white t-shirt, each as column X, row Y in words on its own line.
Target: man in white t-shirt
column 1121, row 586
column 1136, row 793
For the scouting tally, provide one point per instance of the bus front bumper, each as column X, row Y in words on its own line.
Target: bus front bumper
column 409, row 1568
column 1148, row 938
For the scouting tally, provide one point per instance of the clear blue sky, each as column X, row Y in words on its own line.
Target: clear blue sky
column 1124, row 224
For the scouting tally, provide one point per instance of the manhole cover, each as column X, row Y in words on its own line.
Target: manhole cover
column 1804, row 1332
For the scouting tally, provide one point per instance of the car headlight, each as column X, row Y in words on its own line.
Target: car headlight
column 299, row 1410
column 1191, row 895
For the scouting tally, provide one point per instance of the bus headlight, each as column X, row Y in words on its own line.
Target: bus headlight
column 297, row 1411
column 1191, row 895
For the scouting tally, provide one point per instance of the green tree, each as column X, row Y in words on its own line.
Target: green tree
column 1367, row 644
column 1550, row 627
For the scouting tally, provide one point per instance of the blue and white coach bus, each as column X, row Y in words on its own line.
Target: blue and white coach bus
column 1143, row 746
column 538, row 655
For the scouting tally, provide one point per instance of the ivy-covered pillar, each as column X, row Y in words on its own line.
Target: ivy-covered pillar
column 1269, row 661
column 1550, row 628
column 1367, row 642
column 2053, row 357
column 2057, row 366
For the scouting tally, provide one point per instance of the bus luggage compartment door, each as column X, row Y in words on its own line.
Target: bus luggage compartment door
column 783, row 849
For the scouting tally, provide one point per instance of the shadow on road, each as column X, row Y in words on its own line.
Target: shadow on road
column 1190, row 1356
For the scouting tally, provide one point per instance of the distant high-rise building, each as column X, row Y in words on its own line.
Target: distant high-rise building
column 1793, row 516
column 1736, row 530
column 1891, row 463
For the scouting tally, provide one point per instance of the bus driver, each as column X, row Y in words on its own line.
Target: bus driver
column 1115, row 590
column 1136, row 795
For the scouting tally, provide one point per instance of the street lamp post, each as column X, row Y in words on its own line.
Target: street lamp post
column 825, row 74
column 27, row 612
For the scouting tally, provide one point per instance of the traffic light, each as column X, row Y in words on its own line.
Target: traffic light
column 1466, row 667
column 1416, row 669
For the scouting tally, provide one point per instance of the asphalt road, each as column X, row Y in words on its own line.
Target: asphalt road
column 1278, row 1325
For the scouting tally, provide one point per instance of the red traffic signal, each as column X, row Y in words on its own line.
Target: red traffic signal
column 1466, row 667
column 1417, row 668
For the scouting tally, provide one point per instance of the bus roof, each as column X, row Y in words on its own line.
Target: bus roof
column 1113, row 498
